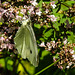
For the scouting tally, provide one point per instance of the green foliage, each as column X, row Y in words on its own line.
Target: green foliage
column 48, row 33
column 37, row 26
column 59, row 29
column 69, row 3
column 71, row 37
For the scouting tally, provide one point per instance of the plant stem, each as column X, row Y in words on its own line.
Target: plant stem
column 64, row 72
column 47, row 67
column 5, row 65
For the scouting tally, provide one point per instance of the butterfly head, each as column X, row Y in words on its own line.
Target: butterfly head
column 26, row 22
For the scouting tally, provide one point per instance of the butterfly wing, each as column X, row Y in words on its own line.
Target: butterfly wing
column 25, row 43
column 33, row 46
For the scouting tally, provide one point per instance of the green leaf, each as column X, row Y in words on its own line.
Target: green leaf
column 10, row 62
column 20, row 14
column 9, row 67
column 40, row 3
column 69, row 3
column 71, row 37
column 37, row 26
column 56, row 26
column 63, row 7
column 42, row 39
column 2, row 62
column 48, row 33
column 74, row 48
column 63, row 20
column 56, row 56
column 73, row 19
column 55, row 10
column 44, row 53
column 47, row 2
column 0, row 23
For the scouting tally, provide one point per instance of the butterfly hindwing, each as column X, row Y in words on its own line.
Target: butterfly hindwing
column 32, row 45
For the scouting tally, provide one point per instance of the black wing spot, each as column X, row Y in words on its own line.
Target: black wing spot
column 30, row 51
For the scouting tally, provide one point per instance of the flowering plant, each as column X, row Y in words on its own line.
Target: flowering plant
column 54, row 29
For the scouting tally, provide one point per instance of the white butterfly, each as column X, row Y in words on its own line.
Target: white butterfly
column 25, row 42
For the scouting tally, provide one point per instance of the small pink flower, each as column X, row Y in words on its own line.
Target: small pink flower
column 31, row 9
column 38, row 12
column 67, row 67
column 53, row 44
column 61, row 67
column 42, row 44
column 10, row 37
column 0, row 50
column 25, row 6
column 65, row 41
column 11, row 9
column 53, row 4
column 49, row 48
column 52, row 17
column 73, row 56
column 34, row 3
column 48, row 44
column 70, row 63
column 3, row 46
column 23, row 11
column 19, row 18
column 10, row 46
column 54, row 59
column 46, row 11
column 2, row 39
column 71, row 51
column 33, row 12
column 7, row 40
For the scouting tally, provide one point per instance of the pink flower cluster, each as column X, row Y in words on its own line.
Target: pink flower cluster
column 5, row 44
column 10, row 15
column 6, row 38
column 65, row 53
